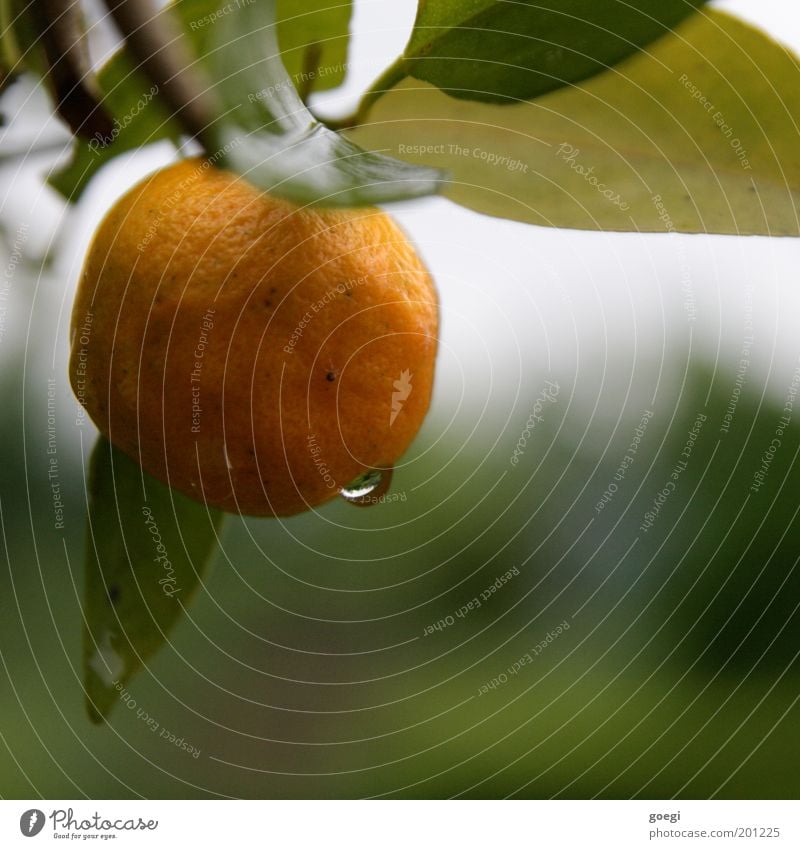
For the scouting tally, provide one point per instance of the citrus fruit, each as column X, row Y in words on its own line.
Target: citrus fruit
column 253, row 354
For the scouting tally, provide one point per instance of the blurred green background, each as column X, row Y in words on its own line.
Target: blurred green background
column 303, row 667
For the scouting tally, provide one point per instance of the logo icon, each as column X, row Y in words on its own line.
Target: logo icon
column 402, row 391
column 31, row 822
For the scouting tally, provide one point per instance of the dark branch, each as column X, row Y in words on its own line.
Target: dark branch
column 156, row 44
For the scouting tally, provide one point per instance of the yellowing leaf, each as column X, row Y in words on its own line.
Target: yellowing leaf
column 700, row 133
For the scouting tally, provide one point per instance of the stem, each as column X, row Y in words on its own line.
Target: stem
column 156, row 44
column 77, row 97
column 308, row 69
column 395, row 73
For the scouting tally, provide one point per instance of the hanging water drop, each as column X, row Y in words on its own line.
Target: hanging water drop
column 366, row 490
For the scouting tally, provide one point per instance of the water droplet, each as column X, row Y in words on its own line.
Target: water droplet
column 367, row 489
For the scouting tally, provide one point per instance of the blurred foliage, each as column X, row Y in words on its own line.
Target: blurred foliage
column 304, row 668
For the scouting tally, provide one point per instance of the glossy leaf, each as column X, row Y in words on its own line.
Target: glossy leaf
column 270, row 137
column 313, row 37
column 699, row 134
column 499, row 50
column 147, row 549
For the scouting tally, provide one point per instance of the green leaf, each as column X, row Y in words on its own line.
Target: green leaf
column 699, row 134
column 313, row 37
column 500, row 50
column 147, row 549
column 266, row 133
column 269, row 136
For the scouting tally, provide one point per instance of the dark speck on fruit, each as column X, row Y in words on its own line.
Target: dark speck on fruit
column 330, row 376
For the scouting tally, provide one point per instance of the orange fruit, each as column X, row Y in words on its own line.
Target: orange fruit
column 253, row 354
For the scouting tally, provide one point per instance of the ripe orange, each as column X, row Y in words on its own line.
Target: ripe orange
column 250, row 353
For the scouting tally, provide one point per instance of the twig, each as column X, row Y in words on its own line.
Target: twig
column 386, row 81
column 78, row 99
column 157, row 45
